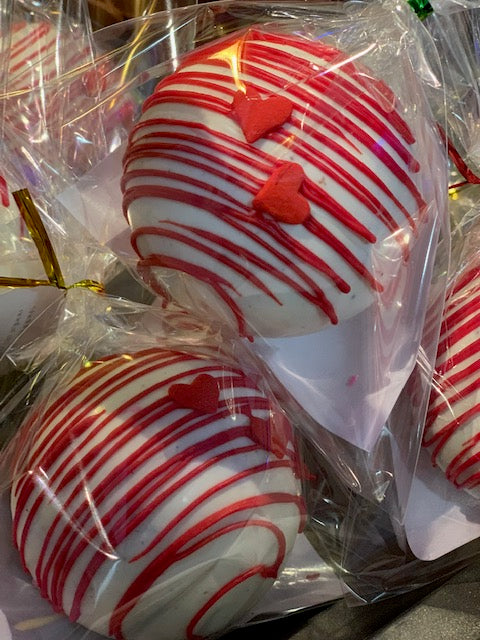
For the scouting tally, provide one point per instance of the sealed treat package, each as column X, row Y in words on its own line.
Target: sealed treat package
column 249, row 117
column 174, row 472
column 451, row 432
column 286, row 181
column 439, row 530
column 448, row 475
column 455, row 33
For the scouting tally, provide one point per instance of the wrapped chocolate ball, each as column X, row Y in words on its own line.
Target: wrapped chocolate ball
column 175, row 499
column 282, row 183
column 281, row 176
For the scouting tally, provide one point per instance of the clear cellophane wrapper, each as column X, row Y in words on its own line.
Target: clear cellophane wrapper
column 155, row 475
column 347, row 397
column 322, row 386
column 106, row 12
column 454, row 27
column 33, row 286
column 438, row 531
column 49, row 86
column 447, row 476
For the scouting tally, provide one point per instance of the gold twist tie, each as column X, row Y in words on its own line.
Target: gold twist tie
column 38, row 233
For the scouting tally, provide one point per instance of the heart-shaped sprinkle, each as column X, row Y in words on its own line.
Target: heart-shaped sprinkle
column 280, row 197
column 257, row 116
column 271, row 436
column 200, row 395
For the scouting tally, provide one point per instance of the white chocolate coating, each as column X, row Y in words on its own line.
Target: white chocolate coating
column 136, row 516
column 190, row 179
column 452, row 429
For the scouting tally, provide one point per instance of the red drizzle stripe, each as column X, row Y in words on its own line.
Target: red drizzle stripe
column 344, row 93
column 78, row 413
column 4, row 195
column 146, row 268
column 32, row 37
column 455, row 359
column 62, row 560
column 82, row 420
column 283, row 137
column 457, row 333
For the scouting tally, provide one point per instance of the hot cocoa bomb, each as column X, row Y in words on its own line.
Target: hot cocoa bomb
column 158, row 494
column 275, row 179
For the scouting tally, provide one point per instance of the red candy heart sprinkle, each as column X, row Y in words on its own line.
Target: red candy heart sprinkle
column 280, row 197
column 257, row 116
column 270, row 436
column 200, row 395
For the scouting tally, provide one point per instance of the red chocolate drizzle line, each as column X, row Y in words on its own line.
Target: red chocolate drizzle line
column 449, row 386
column 342, row 95
column 73, row 422
column 17, row 59
column 4, row 196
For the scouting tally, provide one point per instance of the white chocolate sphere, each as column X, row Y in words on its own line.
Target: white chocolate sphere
column 452, row 430
column 137, row 515
column 192, row 181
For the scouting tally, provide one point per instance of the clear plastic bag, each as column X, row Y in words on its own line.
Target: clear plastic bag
column 45, row 118
column 169, row 483
column 455, row 32
column 200, row 457
column 400, row 315
column 437, row 533
column 107, row 12
column 361, row 455
column 447, row 472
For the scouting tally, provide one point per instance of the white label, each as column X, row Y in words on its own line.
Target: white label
column 440, row 517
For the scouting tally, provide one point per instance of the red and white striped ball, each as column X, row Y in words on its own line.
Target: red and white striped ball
column 452, row 430
column 279, row 174
column 39, row 52
column 158, row 497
